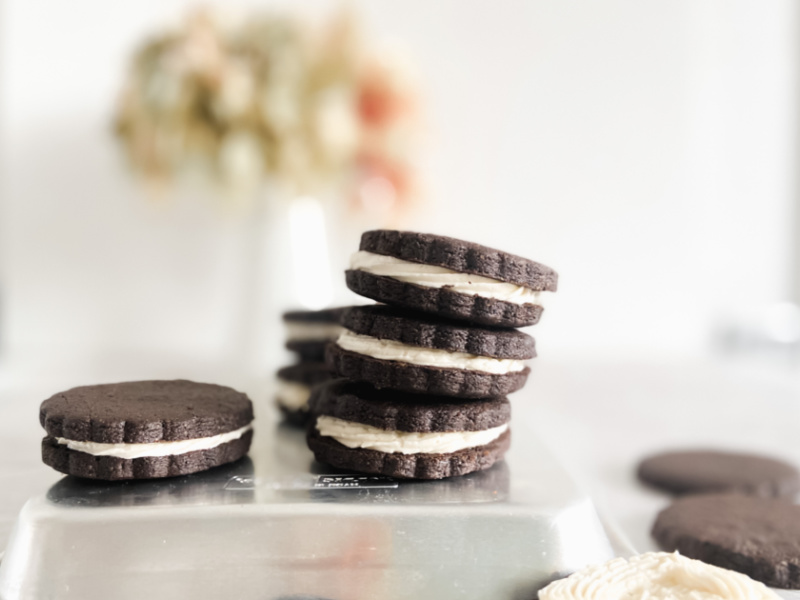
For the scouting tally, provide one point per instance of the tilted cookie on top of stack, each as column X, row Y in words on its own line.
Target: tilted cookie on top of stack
column 427, row 373
column 307, row 334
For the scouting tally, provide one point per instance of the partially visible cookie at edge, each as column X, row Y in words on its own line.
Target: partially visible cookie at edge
column 699, row 471
column 294, row 385
column 759, row 537
column 309, row 331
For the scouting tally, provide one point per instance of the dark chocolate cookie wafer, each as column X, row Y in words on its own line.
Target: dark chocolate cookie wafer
column 697, row 471
column 294, row 388
column 411, row 352
column 390, row 409
column 309, row 331
column 450, row 277
column 145, row 429
column 408, row 466
column 418, row 329
column 759, row 537
column 389, row 433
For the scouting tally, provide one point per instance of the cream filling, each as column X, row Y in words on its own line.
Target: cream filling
column 130, row 451
column 426, row 357
column 306, row 332
column 292, row 395
column 358, row 435
column 440, row 277
column 656, row 576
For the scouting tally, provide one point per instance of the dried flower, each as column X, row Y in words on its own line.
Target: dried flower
column 268, row 99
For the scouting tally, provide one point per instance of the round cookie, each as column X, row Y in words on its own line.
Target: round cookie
column 309, row 331
column 449, row 277
column 145, row 429
column 407, row 351
column 759, row 537
column 694, row 471
column 358, row 428
column 294, row 388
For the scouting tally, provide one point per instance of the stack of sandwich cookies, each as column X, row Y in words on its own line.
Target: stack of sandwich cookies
column 427, row 372
column 451, row 278
column 145, row 429
column 308, row 332
column 396, row 434
column 402, row 350
column 294, row 385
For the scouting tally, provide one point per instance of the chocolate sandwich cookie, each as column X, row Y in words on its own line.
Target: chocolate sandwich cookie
column 449, row 277
column 697, row 471
column 402, row 350
column 309, row 331
column 145, row 429
column 759, row 537
column 355, row 427
column 294, row 388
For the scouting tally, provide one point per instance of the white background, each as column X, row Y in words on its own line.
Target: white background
column 643, row 149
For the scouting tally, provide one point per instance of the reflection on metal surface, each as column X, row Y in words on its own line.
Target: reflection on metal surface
column 261, row 527
column 347, row 482
column 185, row 490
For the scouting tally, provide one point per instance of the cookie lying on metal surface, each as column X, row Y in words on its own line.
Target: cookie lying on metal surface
column 145, row 429
column 697, row 471
column 353, row 426
column 759, row 537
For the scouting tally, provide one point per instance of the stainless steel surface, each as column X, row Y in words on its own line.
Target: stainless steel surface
column 259, row 529
column 598, row 415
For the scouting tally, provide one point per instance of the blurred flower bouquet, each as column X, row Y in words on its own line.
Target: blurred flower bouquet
column 271, row 99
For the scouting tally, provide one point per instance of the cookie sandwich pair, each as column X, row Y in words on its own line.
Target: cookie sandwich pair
column 307, row 334
column 145, row 429
column 426, row 374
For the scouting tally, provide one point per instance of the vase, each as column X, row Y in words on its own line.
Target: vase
column 287, row 258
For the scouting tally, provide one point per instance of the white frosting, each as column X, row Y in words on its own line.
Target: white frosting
column 130, row 451
column 305, row 332
column 293, row 395
column 656, row 576
column 358, row 435
column 427, row 357
column 440, row 277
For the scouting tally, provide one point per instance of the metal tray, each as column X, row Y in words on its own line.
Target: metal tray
column 278, row 524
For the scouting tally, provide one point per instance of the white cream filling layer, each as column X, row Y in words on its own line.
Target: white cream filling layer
column 657, row 576
column 130, row 451
column 292, row 395
column 306, row 332
column 358, row 435
column 426, row 357
column 440, row 277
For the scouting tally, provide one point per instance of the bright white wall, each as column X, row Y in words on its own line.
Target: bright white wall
column 642, row 149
